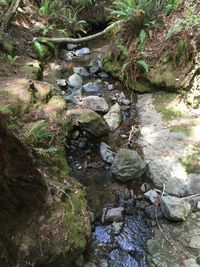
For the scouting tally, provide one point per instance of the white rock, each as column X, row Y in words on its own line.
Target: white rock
column 152, row 195
column 75, row 80
column 114, row 215
column 114, row 117
column 106, row 153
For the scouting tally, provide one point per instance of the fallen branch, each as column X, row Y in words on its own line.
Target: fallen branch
column 79, row 40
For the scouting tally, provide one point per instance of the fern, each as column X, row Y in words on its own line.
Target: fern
column 123, row 49
column 46, row 151
column 143, row 65
column 5, row 109
column 181, row 50
column 142, row 37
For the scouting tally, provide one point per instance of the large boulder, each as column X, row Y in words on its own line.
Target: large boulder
column 93, row 124
column 95, row 103
column 114, row 117
column 169, row 172
column 175, row 209
column 127, row 165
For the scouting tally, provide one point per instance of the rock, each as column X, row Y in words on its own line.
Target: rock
column 83, row 52
column 103, row 263
column 198, row 205
column 61, row 82
column 106, row 153
column 96, row 64
column 120, row 258
column 95, row 103
column 145, row 187
column 92, row 217
column 153, row 212
column 152, row 195
column 114, row 117
column 175, row 209
column 83, row 144
column 75, row 81
column 90, row 264
column 32, row 69
column 103, row 75
column 128, row 165
column 71, row 46
column 168, row 171
column 81, row 71
column 191, row 263
column 91, row 88
column 117, row 227
column 114, row 215
column 93, row 124
column 110, row 87
column 80, row 261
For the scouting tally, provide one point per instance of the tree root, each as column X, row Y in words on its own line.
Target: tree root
column 79, row 40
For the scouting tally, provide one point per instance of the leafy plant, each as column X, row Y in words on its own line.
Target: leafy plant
column 12, row 59
column 142, row 64
column 181, row 50
column 5, row 109
column 46, row 152
column 142, row 37
column 171, row 6
column 37, row 132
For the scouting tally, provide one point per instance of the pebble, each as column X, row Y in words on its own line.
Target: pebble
column 110, row 87
column 103, row 75
column 82, row 144
column 61, row 82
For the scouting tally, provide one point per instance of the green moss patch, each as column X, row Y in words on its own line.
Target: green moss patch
column 192, row 160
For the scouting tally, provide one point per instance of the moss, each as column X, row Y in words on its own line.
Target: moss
column 198, row 260
column 43, row 91
column 182, row 129
column 191, row 161
column 112, row 66
column 32, row 69
column 168, row 105
column 142, row 87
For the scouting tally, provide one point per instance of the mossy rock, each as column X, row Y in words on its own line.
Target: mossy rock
column 111, row 66
column 32, row 70
column 43, row 91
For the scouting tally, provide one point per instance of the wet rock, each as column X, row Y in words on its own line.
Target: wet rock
column 101, row 234
column 83, row 52
column 168, row 171
column 61, row 82
column 128, row 165
column 106, row 153
column 117, row 227
column 114, row 117
column 114, row 215
column 93, row 124
column 81, row 71
column 175, row 209
column 122, row 259
column 96, row 64
column 75, row 81
column 95, row 103
column 153, row 212
column 152, row 195
column 91, row 88
column 103, row 75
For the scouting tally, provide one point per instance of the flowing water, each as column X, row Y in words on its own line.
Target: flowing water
column 115, row 245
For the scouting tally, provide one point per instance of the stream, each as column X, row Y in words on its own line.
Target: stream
column 121, row 243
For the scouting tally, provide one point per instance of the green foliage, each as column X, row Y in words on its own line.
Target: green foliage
column 142, row 64
column 5, row 109
column 85, row 3
column 142, row 37
column 37, row 133
column 123, row 49
column 46, row 152
column 12, row 59
column 47, row 7
column 181, row 50
column 171, row 6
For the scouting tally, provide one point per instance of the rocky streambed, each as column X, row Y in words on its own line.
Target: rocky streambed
column 120, row 151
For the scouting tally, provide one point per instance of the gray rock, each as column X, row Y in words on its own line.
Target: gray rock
column 114, row 117
column 198, row 205
column 71, row 46
column 168, row 171
column 110, row 87
column 83, row 52
column 81, row 71
column 114, row 215
column 61, row 82
column 191, row 262
column 91, row 88
column 106, row 153
column 75, row 81
column 152, row 195
column 128, row 165
column 96, row 64
column 103, row 263
column 93, row 124
column 117, row 227
column 145, row 187
column 95, row 103
column 175, row 209
column 103, row 75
